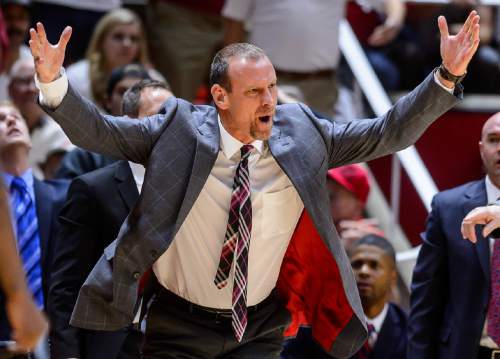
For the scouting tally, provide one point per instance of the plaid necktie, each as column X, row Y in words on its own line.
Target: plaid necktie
column 367, row 348
column 494, row 304
column 236, row 243
column 28, row 238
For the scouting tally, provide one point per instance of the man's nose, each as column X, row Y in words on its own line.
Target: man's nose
column 267, row 97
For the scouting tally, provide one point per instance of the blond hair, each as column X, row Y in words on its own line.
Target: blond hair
column 99, row 72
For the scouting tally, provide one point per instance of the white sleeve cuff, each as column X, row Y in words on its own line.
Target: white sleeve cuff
column 436, row 78
column 52, row 93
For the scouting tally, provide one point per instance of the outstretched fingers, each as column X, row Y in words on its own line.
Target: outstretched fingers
column 443, row 27
column 64, row 38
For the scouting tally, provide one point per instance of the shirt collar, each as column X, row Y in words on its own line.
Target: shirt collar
column 492, row 191
column 27, row 177
column 230, row 145
column 379, row 319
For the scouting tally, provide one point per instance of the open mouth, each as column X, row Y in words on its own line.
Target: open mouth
column 265, row 119
column 14, row 131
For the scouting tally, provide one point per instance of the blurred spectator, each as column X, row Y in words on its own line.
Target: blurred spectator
column 98, row 203
column 306, row 72
column 35, row 205
column 373, row 261
column 184, row 36
column 454, row 280
column 118, row 40
column 349, row 187
column 79, row 14
column 27, row 323
column 17, row 21
column 47, row 138
column 378, row 24
column 80, row 161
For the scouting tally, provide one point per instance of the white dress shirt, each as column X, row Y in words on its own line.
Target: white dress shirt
column 377, row 323
column 189, row 265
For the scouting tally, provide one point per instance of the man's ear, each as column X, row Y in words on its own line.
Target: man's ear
column 219, row 95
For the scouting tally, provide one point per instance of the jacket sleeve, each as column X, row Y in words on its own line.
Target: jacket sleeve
column 118, row 137
column 74, row 258
column 400, row 127
column 428, row 289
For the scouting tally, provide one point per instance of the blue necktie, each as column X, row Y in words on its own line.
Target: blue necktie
column 28, row 237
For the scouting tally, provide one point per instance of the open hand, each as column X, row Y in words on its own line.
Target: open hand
column 457, row 50
column 48, row 58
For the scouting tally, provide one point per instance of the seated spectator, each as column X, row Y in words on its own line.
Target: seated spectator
column 47, row 138
column 373, row 261
column 98, row 203
column 80, row 161
column 378, row 24
column 17, row 21
column 35, row 206
column 118, row 40
column 349, row 187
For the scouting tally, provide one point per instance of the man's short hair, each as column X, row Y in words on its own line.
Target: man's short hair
column 127, row 71
column 132, row 97
column 377, row 241
column 220, row 63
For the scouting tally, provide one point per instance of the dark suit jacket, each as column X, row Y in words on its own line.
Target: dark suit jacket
column 79, row 161
column 180, row 146
column 97, row 204
column 391, row 341
column 49, row 198
column 451, row 280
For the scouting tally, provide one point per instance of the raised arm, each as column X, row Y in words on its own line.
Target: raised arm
column 81, row 120
column 405, row 122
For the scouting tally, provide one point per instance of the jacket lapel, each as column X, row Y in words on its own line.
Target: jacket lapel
column 475, row 197
column 207, row 148
column 44, row 204
column 126, row 184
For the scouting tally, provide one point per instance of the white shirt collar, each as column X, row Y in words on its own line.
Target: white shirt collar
column 379, row 319
column 492, row 191
column 230, row 145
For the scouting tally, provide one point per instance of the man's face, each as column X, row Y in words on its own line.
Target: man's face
column 344, row 205
column 115, row 102
column 489, row 148
column 374, row 272
column 17, row 19
column 13, row 129
column 23, row 92
column 251, row 104
column 151, row 101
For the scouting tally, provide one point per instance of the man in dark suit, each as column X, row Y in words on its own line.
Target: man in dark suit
column 35, row 206
column 221, row 177
column 373, row 261
column 451, row 314
column 97, row 204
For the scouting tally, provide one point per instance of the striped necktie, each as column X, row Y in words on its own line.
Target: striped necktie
column 28, row 238
column 493, row 315
column 367, row 348
column 236, row 243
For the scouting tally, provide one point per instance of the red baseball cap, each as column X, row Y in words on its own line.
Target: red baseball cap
column 353, row 178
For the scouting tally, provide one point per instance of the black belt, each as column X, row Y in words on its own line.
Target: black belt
column 306, row 75
column 488, row 353
column 212, row 313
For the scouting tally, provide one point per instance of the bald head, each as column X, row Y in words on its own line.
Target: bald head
column 489, row 147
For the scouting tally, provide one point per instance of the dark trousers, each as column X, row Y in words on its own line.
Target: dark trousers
column 179, row 329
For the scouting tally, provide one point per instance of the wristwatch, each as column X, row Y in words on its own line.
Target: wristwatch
column 447, row 75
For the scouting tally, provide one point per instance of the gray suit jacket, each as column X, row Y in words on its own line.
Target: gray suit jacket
column 179, row 146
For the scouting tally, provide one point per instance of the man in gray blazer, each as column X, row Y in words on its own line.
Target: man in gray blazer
column 233, row 217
